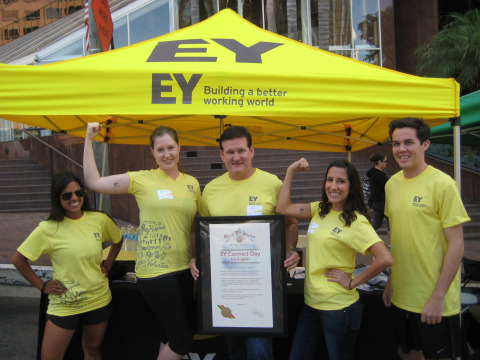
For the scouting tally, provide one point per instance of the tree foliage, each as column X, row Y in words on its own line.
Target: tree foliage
column 454, row 52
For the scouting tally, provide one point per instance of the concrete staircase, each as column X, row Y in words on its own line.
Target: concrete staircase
column 24, row 187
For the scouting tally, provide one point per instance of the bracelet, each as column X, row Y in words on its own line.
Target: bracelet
column 350, row 285
column 290, row 247
column 44, row 286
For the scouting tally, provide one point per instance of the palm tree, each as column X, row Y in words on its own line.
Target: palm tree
column 454, row 52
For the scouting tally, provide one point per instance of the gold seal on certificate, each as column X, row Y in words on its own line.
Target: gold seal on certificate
column 226, row 312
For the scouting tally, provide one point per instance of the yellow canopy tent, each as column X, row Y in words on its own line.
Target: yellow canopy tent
column 223, row 71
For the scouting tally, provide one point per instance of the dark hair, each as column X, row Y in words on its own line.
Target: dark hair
column 354, row 201
column 164, row 130
column 59, row 183
column 421, row 127
column 377, row 157
column 235, row 132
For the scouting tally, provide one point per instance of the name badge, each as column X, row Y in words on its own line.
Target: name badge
column 165, row 194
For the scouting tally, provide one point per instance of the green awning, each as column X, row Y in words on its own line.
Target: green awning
column 470, row 123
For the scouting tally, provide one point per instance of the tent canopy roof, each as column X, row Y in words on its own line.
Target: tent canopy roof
column 224, row 71
column 470, row 123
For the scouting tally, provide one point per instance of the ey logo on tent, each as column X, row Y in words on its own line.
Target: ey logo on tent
column 166, row 52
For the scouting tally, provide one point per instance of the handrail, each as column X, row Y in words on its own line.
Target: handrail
column 52, row 148
column 449, row 160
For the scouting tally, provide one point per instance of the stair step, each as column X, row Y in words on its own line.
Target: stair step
column 25, row 188
column 25, row 196
column 21, row 168
column 40, row 181
column 25, row 174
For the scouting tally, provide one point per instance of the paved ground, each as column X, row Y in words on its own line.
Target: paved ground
column 19, row 307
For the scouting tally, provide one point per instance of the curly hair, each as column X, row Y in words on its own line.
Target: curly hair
column 354, row 201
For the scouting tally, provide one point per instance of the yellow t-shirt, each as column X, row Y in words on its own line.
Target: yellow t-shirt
column 331, row 244
column 167, row 208
column 75, row 249
column 254, row 196
column 418, row 210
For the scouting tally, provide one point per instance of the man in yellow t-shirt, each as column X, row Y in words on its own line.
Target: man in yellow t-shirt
column 426, row 215
column 245, row 191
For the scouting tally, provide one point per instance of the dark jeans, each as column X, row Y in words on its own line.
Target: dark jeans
column 338, row 327
column 378, row 215
column 250, row 348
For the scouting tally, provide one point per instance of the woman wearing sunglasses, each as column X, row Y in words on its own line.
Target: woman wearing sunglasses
column 72, row 237
column 168, row 200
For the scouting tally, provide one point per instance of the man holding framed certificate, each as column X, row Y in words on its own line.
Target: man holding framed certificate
column 245, row 191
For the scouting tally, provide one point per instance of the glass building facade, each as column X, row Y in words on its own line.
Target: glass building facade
column 350, row 28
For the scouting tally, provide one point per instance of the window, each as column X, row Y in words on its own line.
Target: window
column 347, row 27
column 33, row 16
column 149, row 22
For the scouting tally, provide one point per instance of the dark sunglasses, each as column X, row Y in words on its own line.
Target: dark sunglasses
column 68, row 194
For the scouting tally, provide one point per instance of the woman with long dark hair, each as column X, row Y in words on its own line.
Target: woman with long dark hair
column 338, row 230
column 168, row 200
column 378, row 179
column 72, row 237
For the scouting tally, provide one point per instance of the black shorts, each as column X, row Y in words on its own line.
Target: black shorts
column 93, row 317
column 436, row 341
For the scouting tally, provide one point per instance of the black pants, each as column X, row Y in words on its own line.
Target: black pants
column 378, row 215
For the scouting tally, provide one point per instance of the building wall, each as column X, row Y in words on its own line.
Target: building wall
column 16, row 10
column 416, row 21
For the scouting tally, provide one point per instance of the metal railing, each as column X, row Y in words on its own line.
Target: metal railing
column 53, row 149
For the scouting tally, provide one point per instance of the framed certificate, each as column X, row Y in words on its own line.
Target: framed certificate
column 242, row 285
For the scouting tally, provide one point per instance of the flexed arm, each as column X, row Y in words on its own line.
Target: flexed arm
column 114, row 184
column 284, row 206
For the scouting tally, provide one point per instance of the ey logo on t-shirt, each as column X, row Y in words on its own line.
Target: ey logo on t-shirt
column 417, row 201
column 336, row 232
column 97, row 236
column 254, row 207
column 164, row 194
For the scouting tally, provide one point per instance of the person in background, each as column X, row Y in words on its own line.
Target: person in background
column 245, row 191
column 378, row 179
column 426, row 214
column 168, row 200
column 338, row 230
column 72, row 237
